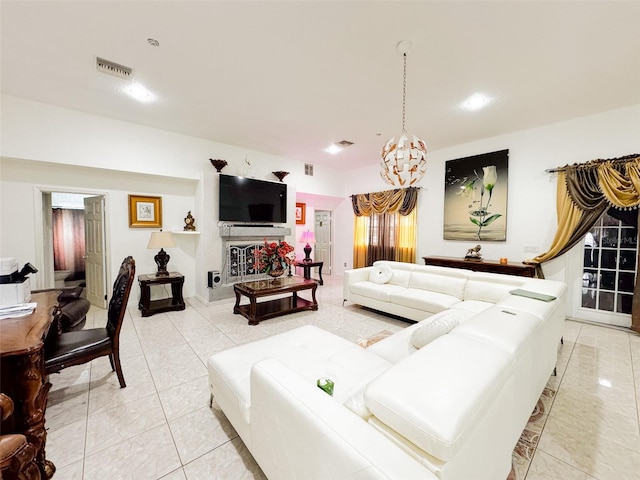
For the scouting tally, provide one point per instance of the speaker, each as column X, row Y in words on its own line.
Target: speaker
column 214, row 278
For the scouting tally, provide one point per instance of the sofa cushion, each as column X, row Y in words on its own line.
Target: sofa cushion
column 472, row 306
column 380, row 292
column 380, row 273
column 400, row 278
column 491, row 287
column 430, row 330
column 452, row 284
column 429, row 302
column 418, row 399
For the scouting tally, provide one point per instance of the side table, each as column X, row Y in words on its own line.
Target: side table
column 150, row 307
column 306, row 267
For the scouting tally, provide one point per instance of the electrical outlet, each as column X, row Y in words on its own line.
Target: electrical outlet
column 345, row 264
column 531, row 248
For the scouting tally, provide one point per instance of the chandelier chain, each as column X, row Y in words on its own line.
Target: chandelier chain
column 404, row 92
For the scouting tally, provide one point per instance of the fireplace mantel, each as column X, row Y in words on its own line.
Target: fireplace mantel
column 253, row 232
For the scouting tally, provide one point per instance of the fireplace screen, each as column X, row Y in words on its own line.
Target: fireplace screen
column 241, row 260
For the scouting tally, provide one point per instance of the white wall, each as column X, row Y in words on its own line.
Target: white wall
column 45, row 146
column 531, row 218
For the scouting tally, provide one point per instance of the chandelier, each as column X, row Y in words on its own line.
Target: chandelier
column 403, row 161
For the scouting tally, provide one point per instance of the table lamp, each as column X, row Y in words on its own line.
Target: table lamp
column 161, row 240
column 307, row 237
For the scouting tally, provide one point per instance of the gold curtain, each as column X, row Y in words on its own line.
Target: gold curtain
column 360, row 242
column 401, row 200
column 584, row 192
column 385, row 226
column 407, row 238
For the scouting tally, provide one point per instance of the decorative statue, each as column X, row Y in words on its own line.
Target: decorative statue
column 190, row 223
column 474, row 253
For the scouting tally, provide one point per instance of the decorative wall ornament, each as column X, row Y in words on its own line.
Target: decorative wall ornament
column 403, row 161
column 280, row 174
column 218, row 164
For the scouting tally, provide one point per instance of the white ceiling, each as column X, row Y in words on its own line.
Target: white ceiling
column 288, row 78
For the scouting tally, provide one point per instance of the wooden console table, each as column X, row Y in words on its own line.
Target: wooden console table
column 491, row 266
column 22, row 374
column 255, row 312
column 150, row 307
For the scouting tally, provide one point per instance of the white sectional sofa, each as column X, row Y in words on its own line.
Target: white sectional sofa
column 452, row 409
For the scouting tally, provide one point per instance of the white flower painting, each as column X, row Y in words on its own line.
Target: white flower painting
column 475, row 203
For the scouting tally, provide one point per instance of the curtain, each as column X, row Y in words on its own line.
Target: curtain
column 68, row 240
column 385, row 226
column 584, row 192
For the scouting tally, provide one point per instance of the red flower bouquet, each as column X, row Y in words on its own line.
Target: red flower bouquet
column 274, row 257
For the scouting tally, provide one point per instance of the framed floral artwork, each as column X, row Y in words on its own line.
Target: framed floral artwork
column 301, row 213
column 145, row 212
column 475, row 197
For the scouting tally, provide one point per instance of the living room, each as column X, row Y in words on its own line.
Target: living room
column 58, row 143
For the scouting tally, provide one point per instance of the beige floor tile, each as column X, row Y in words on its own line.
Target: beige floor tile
column 546, row 467
column 589, row 452
column 150, row 455
column 199, row 432
column 66, row 444
column 175, row 475
column 70, row 472
column 231, row 460
column 118, row 424
column 185, row 398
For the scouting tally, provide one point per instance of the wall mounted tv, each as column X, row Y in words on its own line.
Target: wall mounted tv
column 245, row 199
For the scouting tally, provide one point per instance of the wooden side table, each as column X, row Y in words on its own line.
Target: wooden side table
column 490, row 266
column 150, row 307
column 306, row 268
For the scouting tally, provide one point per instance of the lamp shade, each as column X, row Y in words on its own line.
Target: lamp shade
column 307, row 237
column 161, row 240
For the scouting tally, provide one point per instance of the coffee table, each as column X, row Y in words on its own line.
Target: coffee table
column 257, row 311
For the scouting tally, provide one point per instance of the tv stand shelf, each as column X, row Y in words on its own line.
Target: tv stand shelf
column 254, row 231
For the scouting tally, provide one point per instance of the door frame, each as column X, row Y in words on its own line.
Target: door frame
column 42, row 247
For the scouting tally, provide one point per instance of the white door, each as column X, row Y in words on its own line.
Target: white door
column 94, row 250
column 322, row 230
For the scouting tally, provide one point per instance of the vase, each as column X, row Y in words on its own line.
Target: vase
column 276, row 273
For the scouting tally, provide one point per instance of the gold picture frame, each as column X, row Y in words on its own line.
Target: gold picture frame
column 301, row 213
column 145, row 212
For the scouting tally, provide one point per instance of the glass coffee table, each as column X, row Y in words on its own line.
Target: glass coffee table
column 256, row 311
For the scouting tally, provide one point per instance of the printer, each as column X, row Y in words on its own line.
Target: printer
column 14, row 284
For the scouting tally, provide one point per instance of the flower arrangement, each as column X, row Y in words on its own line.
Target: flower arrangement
column 480, row 215
column 274, row 256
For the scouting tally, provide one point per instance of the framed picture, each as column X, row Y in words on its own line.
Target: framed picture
column 475, row 197
column 145, row 212
column 301, row 213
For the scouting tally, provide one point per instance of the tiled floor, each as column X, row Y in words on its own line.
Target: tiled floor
column 161, row 426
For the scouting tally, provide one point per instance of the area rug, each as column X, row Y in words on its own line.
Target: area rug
column 526, row 446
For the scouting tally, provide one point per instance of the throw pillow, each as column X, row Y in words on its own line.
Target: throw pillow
column 380, row 273
column 428, row 332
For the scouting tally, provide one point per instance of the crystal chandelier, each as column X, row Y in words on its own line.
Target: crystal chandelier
column 403, row 161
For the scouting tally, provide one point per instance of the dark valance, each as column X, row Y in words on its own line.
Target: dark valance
column 400, row 200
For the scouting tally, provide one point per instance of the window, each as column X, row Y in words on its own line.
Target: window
column 609, row 266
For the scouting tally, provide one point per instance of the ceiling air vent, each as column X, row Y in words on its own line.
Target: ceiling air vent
column 308, row 169
column 112, row 68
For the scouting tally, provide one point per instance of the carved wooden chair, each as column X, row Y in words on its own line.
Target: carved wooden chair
column 17, row 455
column 82, row 346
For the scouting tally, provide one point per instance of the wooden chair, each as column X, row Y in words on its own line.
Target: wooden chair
column 17, row 455
column 82, row 346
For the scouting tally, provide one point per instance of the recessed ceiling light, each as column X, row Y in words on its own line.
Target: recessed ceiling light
column 476, row 102
column 139, row 92
column 333, row 149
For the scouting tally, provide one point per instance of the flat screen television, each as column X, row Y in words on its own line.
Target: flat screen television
column 249, row 200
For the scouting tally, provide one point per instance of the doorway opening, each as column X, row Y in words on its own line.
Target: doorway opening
column 323, row 235
column 73, row 234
